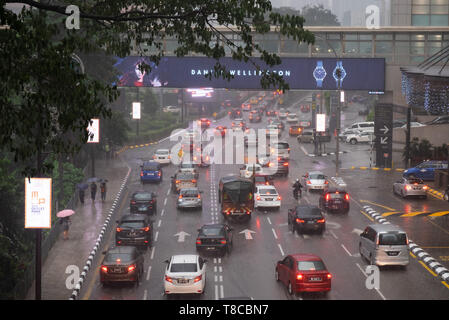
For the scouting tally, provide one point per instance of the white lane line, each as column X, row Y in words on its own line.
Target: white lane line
column 347, row 251
column 148, row 273
column 269, row 220
column 152, row 253
column 165, row 202
column 216, row 292
column 157, row 234
column 162, row 212
column 333, row 234
column 274, row 233
column 145, row 294
column 168, row 192
column 159, row 223
column 378, row 291
column 220, row 269
column 280, row 248
column 221, row 291
column 221, row 278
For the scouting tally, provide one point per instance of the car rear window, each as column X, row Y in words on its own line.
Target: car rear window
column 184, row 176
column 189, row 193
column 211, row 231
column 143, row 196
column 317, row 176
column 116, row 257
column 336, row 195
column 150, row 167
column 267, row 191
column 311, row 265
column 392, row 239
column 281, row 145
column 183, row 267
column 415, row 180
column 132, row 224
column 308, row 212
column 163, row 152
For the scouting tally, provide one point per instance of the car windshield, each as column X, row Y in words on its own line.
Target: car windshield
column 268, row 191
column 311, row 265
column 392, row 239
column 183, row 267
column 132, row 224
column 143, row 196
column 317, row 176
column 117, row 257
column 281, row 145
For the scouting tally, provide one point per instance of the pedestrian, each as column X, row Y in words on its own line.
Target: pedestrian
column 81, row 194
column 107, row 150
column 65, row 225
column 446, row 193
column 93, row 190
column 103, row 191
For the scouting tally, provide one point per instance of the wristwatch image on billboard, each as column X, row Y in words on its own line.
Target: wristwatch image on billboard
column 319, row 73
column 339, row 76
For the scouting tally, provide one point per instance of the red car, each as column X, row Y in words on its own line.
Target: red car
column 204, row 123
column 220, row 130
column 303, row 273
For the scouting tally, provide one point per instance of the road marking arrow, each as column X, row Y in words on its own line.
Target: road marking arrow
column 247, row 233
column 181, row 236
column 383, row 140
column 384, row 129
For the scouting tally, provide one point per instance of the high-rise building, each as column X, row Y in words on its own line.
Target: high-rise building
column 352, row 13
column 420, row 13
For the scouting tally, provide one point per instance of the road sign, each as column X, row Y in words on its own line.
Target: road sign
column 383, row 131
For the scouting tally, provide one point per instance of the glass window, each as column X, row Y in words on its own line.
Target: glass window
column 334, row 36
column 351, row 36
column 384, row 36
column 439, row 20
column 311, row 266
column 366, row 37
column 420, row 20
column 183, row 267
column 417, row 48
column 392, row 239
column 366, row 47
column 402, row 47
column 351, row 47
column 384, row 47
column 420, row 9
column 402, row 36
column 434, row 37
column 421, row 2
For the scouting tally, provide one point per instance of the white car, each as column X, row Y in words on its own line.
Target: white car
column 273, row 130
column 185, row 274
column 315, row 180
column 266, row 196
column 173, row 109
column 281, row 149
column 347, row 132
column 283, row 113
column 162, row 156
column 248, row 169
column 366, row 137
column 189, row 167
column 292, row 118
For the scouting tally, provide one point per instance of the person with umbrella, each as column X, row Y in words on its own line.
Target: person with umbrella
column 81, row 188
column 65, row 221
column 93, row 190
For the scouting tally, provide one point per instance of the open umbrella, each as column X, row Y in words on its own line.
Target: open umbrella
column 82, row 186
column 93, row 179
column 102, row 180
column 65, row 213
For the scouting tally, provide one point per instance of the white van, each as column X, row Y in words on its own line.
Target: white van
column 384, row 244
column 363, row 126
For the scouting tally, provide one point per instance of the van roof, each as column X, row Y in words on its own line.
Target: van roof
column 386, row 227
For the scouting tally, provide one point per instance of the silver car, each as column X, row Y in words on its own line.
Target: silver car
column 189, row 198
column 384, row 244
column 315, row 180
column 410, row 187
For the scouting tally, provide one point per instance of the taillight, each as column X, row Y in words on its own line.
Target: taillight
column 326, row 182
column 299, row 220
column 299, row 276
column 146, row 229
column 198, row 241
column 407, row 187
column 258, row 198
column 104, row 268
column 193, row 181
column 131, row 268
column 118, row 229
column 279, row 198
column 177, row 181
column 199, row 196
column 198, row 278
column 328, row 197
column 223, row 241
column 167, row 278
column 180, row 196
column 141, row 173
column 347, row 197
column 308, row 182
column 285, row 164
column 329, row 276
column 320, row 220
column 159, row 173
column 425, row 187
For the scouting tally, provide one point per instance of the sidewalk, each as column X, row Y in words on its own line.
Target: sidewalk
column 84, row 230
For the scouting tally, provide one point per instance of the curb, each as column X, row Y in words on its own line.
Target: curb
column 422, row 255
column 89, row 261
column 436, row 193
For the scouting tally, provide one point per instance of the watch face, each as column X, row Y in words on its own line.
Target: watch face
column 319, row 73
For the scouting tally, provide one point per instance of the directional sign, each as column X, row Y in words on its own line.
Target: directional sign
column 383, row 130
column 181, row 236
column 247, row 233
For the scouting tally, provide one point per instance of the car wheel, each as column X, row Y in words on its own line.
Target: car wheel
column 353, row 141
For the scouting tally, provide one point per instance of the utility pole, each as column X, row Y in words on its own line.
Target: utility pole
column 337, row 153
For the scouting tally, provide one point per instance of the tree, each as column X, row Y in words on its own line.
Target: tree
column 317, row 15
column 42, row 97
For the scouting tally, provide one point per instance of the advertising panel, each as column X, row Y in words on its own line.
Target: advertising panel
column 38, row 203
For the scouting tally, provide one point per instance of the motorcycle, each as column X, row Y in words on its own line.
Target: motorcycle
column 297, row 193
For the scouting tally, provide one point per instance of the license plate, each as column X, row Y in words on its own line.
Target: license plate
column 311, row 222
column 268, row 199
column 116, row 270
column 416, row 188
column 392, row 253
column 142, row 208
column 182, row 281
column 210, row 248
column 315, row 279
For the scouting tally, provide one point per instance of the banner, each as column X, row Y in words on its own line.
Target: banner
column 38, row 203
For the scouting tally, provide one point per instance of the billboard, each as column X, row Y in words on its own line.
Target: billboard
column 367, row 74
column 38, row 203
column 94, row 131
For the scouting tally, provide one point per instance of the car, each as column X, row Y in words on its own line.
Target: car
column 362, row 137
column 121, row 264
column 143, row 202
column 282, row 113
column 303, row 273
column 406, row 187
column 266, row 196
column 253, row 100
column 162, row 156
column 363, row 126
column 220, row 130
column 173, row 109
column 384, row 244
column 439, row 120
column 183, row 180
column 185, row 273
column 263, row 180
column 305, row 136
column 425, row 170
column 334, row 199
column 278, row 167
column 238, row 124
column 151, row 171
column 271, row 113
column 281, row 149
column 279, row 124
column 189, row 198
column 254, row 116
column 344, row 134
column 227, row 103
column 246, row 106
column 215, row 237
column 413, row 125
column 304, row 218
column 134, row 230
column 235, row 113
column 273, row 130
column 292, row 118
column 189, row 167
column 305, row 108
column 295, row 130
column 315, row 180
column 249, row 169
column 204, row 123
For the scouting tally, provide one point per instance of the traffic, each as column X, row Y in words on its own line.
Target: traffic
column 209, row 230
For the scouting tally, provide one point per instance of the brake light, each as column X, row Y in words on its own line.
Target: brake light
column 329, row 276
column 299, row 276
column 321, row 221
column 193, row 181
column 180, row 196
column 198, row 241
column 347, row 197
column 118, row 229
column 308, row 182
column 258, row 198
column 167, row 278
column 328, row 197
column 223, row 241
column 299, row 220
column 198, row 278
column 131, row 268
column 177, row 181
column 326, row 182
column 104, row 268
column 425, row 187
column 159, row 173
column 199, row 196
column 407, row 187
column 146, row 229
column 133, row 202
column 279, row 198
column 248, row 212
column 141, row 173
column 285, row 164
